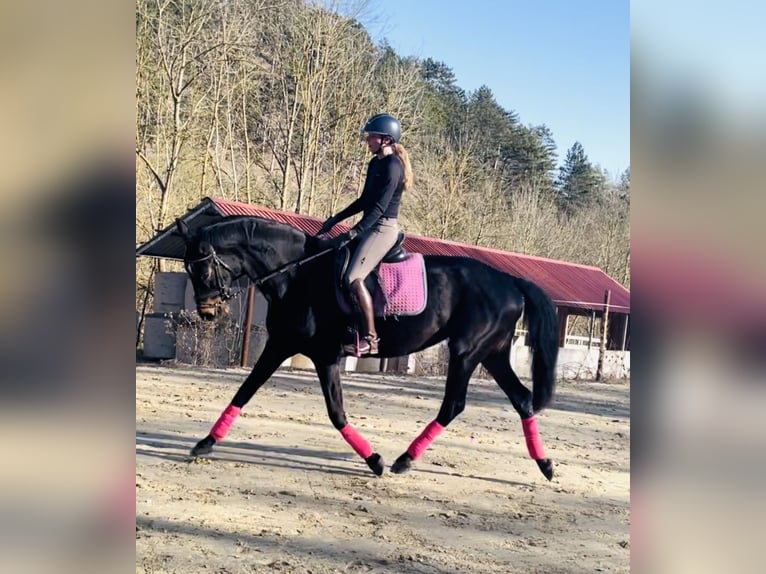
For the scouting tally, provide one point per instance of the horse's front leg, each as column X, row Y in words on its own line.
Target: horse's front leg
column 329, row 377
column 272, row 357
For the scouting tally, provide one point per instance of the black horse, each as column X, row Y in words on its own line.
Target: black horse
column 470, row 304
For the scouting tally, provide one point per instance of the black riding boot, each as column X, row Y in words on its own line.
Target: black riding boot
column 369, row 344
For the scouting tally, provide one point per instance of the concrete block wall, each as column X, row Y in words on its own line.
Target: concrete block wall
column 169, row 292
column 575, row 363
column 158, row 342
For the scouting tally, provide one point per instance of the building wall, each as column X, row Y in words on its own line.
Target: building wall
column 575, row 363
column 159, row 342
column 169, row 293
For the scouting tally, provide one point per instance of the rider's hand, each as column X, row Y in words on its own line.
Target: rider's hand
column 328, row 225
column 344, row 238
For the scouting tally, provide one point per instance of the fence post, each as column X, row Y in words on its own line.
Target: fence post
column 602, row 349
column 563, row 316
column 625, row 332
column 246, row 333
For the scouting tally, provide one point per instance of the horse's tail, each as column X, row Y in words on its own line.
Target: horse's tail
column 540, row 317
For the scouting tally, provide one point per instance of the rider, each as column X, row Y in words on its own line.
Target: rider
column 388, row 174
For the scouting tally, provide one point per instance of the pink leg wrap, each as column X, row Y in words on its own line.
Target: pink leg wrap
column 223, row 424
column 420, row 444
column 357, row 441
column 534, row 444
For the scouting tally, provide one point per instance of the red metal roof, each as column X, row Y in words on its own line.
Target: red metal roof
column 568, row 284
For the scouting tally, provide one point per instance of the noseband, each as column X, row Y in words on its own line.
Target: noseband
column 225, row 293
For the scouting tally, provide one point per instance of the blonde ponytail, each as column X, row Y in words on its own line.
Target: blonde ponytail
column 404, row 157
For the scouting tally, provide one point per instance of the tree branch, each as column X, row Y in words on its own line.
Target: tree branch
column 157, row 177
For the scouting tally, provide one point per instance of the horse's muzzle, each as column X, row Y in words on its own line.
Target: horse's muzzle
column 209, row 308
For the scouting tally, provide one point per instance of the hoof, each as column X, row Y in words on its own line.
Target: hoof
column 205, row 446
column 546, row 467
column 376, row 464
column 402, row 464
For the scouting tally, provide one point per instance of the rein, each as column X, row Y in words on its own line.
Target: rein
column 290, row 265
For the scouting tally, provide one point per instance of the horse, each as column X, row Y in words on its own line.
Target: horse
column 470, row 304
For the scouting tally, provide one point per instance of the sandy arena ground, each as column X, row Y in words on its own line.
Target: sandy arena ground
column 285, row 493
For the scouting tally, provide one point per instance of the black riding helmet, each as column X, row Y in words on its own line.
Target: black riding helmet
column 384, row 125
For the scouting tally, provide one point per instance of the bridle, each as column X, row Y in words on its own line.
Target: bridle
column 225, row 293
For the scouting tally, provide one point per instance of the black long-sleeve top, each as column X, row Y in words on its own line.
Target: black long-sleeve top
column 381, row 195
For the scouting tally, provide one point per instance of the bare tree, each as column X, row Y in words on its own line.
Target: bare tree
column 440, row 204
column 176, row 44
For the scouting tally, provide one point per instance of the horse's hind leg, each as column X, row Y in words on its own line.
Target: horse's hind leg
column 520, row 396
column 273, row 355
column 458, row 375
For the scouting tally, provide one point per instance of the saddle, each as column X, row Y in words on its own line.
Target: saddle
column 397, row 284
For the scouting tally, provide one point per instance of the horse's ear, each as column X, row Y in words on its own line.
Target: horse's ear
column 183, row 229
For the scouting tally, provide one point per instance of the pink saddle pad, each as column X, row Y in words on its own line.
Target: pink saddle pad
column 404, row 285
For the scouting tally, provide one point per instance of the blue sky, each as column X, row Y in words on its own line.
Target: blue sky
column 717, row 53
column 562, row 63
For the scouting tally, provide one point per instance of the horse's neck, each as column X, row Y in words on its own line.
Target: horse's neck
column 269, row 250
column 306, row 288
column 265, row 258
column 273, row 246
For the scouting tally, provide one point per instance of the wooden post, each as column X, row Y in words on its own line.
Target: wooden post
column 602, row 349
column 592, row 326
column 563, row 324
column 246, row 326
column 625, row 333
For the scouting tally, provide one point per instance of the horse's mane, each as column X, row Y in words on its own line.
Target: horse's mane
column 245, row 229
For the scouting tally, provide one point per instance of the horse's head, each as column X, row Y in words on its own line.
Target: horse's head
column 211, row 275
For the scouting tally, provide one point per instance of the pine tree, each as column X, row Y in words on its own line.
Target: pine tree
column 579, row 183
column 531, row 159
column 623, row 188
column 444, row 101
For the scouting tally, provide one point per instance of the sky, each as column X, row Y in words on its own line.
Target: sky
column 561, row 63
column 717, row 53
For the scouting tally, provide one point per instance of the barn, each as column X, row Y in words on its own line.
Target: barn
column 578, row 291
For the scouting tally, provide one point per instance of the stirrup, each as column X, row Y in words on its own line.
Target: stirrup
column 371, row 344
column 366, row 346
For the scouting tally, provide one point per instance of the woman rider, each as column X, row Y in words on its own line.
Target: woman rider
column 388, row 174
